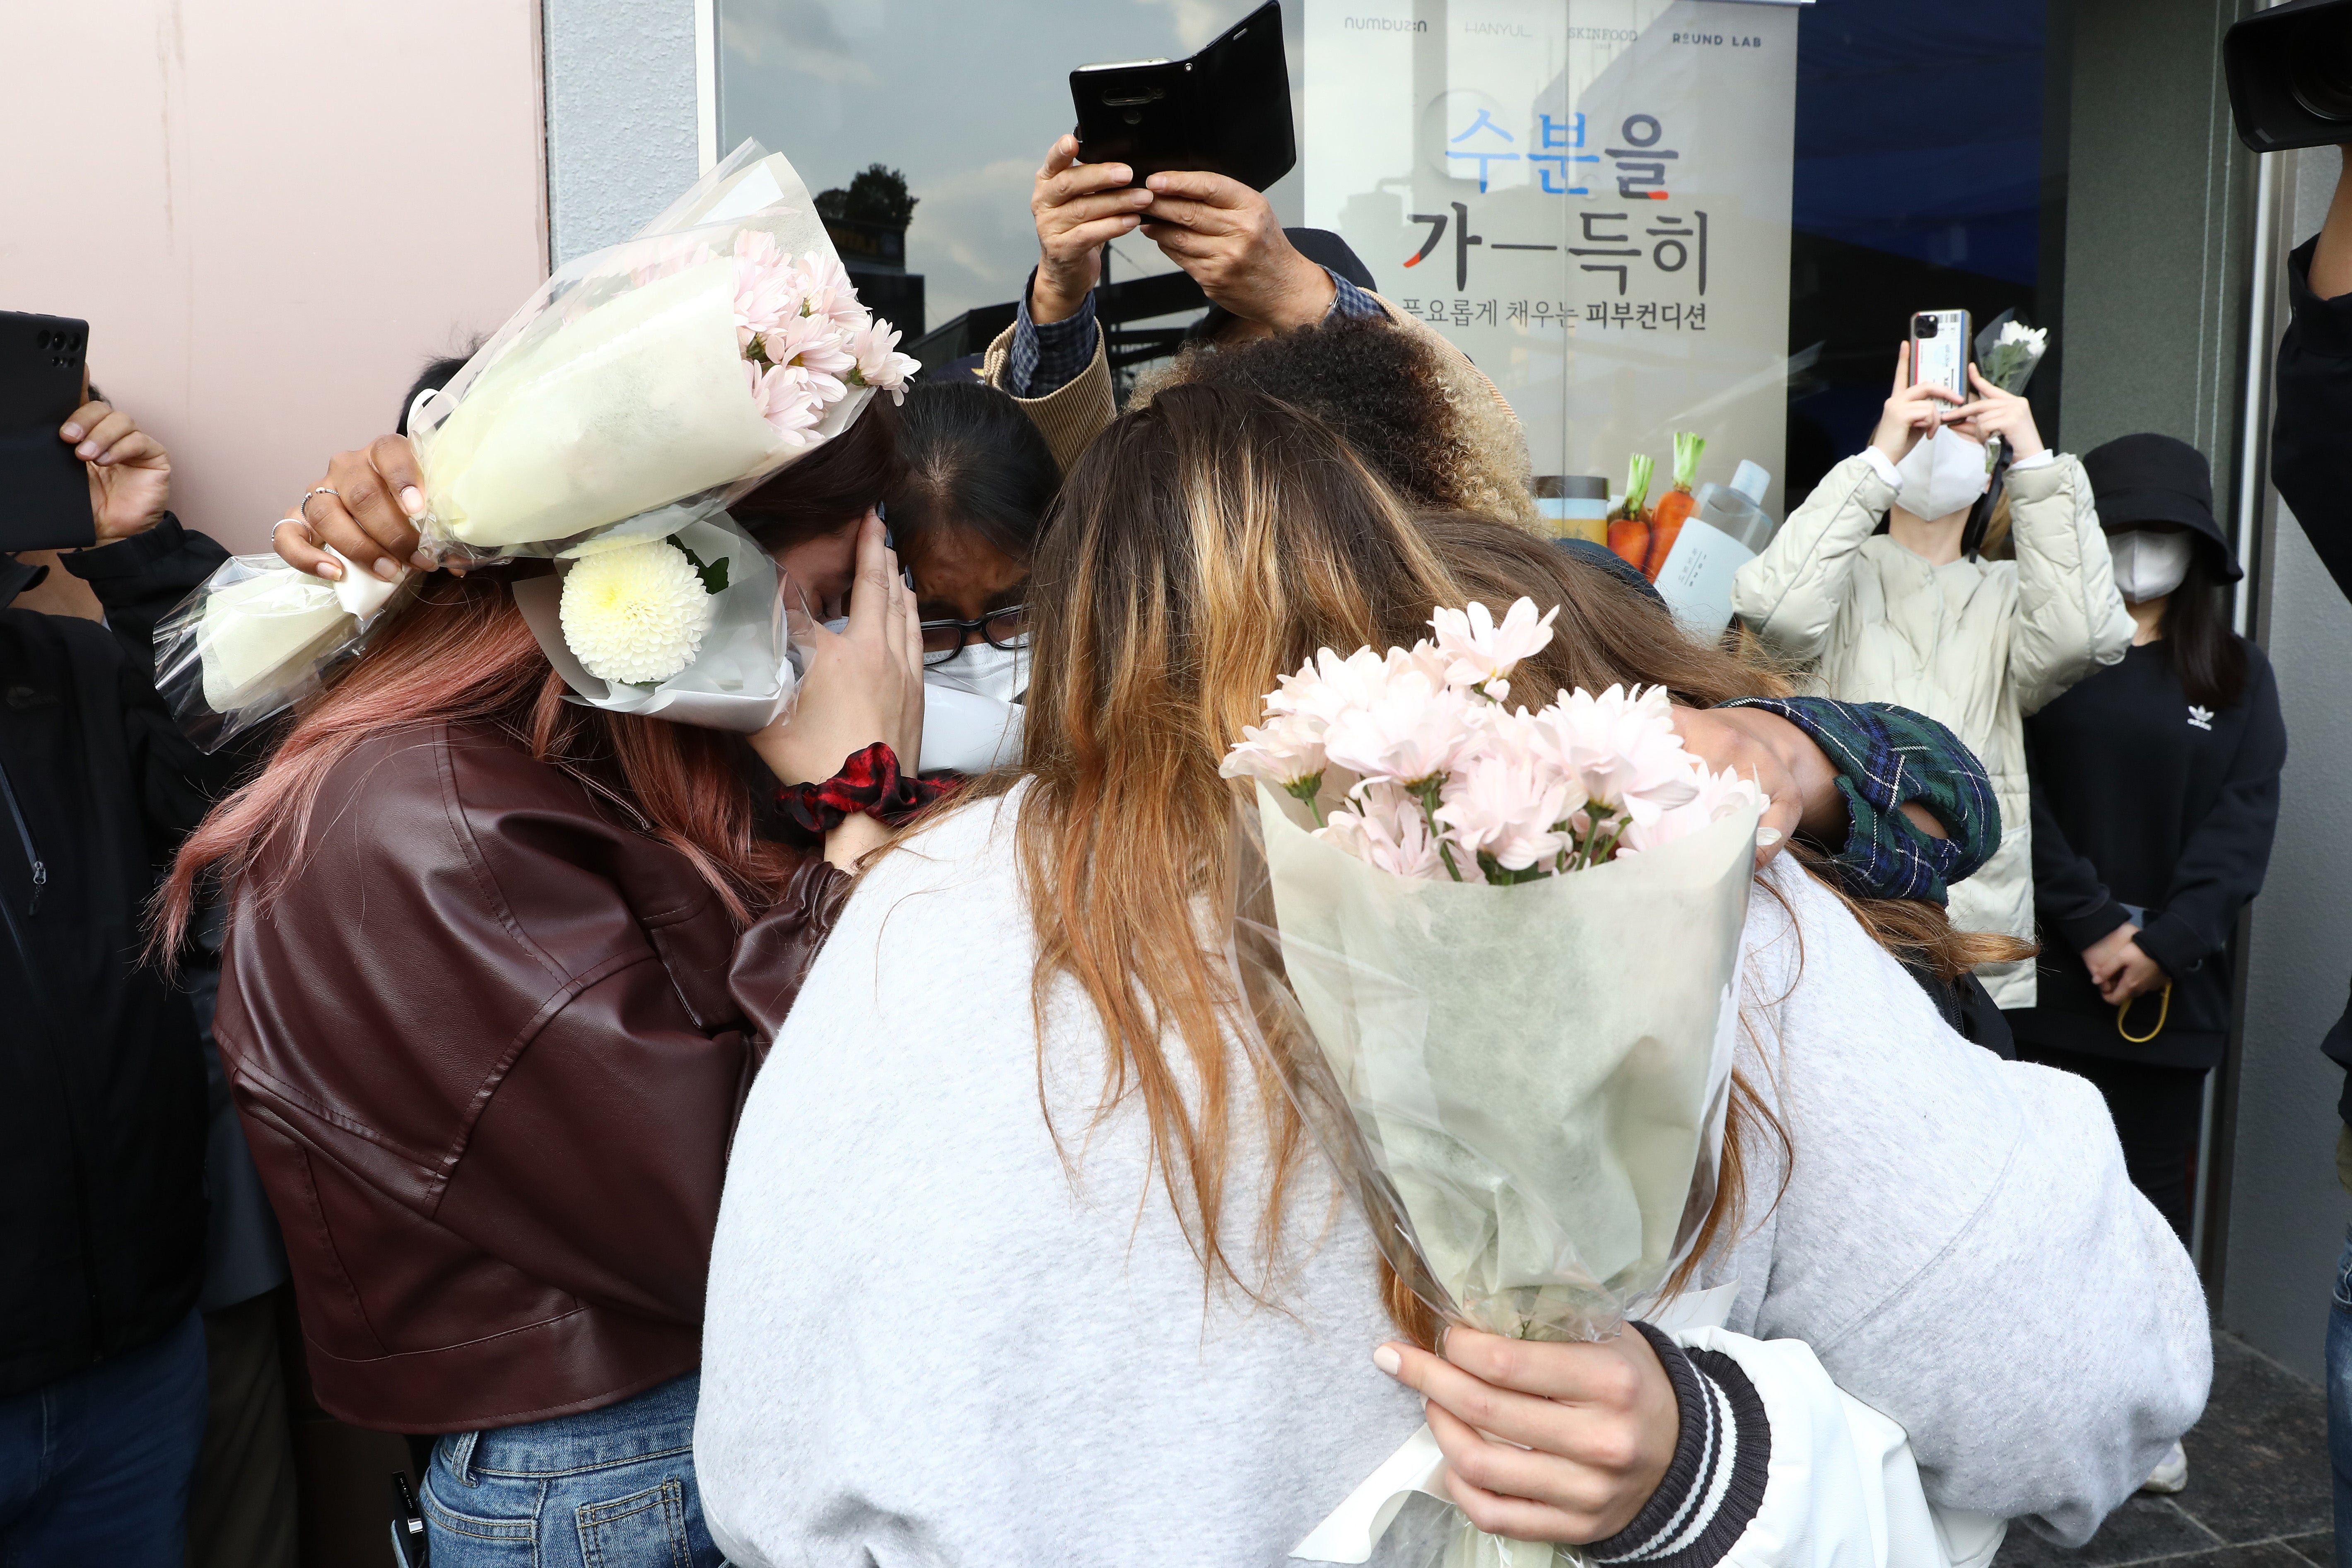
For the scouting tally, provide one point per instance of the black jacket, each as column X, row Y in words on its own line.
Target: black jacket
column 2311, row 460
column 101, row 1085
column 2311, row 463
column 2141, row 798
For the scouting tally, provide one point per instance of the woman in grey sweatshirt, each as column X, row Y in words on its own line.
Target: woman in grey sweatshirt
column 958, row 1309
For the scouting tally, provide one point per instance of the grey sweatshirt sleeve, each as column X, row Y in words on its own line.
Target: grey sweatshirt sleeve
column 1961, row 1246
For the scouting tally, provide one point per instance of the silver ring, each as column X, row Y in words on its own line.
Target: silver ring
column 282, row 522
column 315, row 491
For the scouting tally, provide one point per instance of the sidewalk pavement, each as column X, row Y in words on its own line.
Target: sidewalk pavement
column 2258, row 1495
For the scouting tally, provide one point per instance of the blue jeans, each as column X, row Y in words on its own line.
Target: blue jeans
column 607, row 1488
column 2339, row 1402
column 94, row 1467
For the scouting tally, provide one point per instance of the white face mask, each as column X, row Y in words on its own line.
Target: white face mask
column 1943, row 473
column 2149, row 564
column 984, row 671
column 971, row 709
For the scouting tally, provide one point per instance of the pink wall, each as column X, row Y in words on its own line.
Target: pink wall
column 270, row 214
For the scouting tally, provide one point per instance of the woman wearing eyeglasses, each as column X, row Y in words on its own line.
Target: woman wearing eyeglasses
column 979, row 482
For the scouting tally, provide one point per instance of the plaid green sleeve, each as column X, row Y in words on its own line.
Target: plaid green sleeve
column 1885, row 755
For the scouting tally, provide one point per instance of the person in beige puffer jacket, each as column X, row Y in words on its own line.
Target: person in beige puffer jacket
column 1904, row 617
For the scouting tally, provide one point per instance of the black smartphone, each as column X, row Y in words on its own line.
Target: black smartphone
column 411, row 1547
column 44, row 487
column 1225, row 110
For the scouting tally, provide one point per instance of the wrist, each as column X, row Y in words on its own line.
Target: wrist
column 1305, row 299
column 1055, row 296
column 852, row 839
column 868, row 783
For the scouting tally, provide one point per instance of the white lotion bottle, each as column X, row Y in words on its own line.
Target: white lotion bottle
column 1728, row 529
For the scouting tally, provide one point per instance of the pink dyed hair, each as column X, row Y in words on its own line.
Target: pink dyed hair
column 463, row 654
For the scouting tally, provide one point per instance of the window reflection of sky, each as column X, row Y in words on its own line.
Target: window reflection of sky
column 964, row 97
column 1919, row 184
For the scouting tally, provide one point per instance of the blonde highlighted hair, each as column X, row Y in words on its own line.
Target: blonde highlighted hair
column 1202, row 545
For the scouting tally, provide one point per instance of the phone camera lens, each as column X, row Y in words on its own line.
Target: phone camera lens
column 1133, row 117
column 41, row 341
column 1923, row 326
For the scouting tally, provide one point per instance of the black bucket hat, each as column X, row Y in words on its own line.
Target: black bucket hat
column 2156, row 479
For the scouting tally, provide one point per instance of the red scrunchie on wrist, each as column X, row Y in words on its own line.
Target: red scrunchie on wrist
column 868, row 782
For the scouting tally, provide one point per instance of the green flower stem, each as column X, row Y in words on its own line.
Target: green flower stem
column 1426, row 791
column 1307, row 789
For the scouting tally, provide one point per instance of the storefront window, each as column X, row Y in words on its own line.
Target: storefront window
column 1637, row 216
column 1924, row 179
column 963, row 101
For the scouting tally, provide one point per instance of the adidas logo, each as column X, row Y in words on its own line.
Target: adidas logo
column 2199, row 717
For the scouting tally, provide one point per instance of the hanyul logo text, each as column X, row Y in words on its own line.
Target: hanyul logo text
column 2199, row 717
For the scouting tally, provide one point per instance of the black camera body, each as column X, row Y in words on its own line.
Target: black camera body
column 2290, row 72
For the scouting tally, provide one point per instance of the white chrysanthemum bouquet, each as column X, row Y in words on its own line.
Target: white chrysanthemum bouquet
column 640, row 391
column 1448, row 781
column 2008, row 350
column 1494, row 952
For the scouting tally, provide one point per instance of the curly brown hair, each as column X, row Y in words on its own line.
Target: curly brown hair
column 1419, row 416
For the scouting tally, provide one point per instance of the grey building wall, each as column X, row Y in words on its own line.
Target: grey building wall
column 620, row 117
column 2287, row 1212
column 2159, row 204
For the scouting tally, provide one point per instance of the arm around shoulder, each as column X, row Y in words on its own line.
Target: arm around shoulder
column 2055, row 1342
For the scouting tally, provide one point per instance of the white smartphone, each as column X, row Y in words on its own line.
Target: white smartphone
column 1939, row 350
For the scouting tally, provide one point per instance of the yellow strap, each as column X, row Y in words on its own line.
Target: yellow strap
column 2162, row 1013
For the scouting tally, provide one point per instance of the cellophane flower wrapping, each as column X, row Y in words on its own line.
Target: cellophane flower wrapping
column 1522, row 1074
column 740, row 677
column 650, row 383
column 257, row 637
column 640, row 391
column 2008, row 351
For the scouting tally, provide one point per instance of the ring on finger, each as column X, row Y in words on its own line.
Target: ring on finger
column 282, row 522
column 316, row 490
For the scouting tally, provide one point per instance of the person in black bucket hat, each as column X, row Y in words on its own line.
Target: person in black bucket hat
column 2148, row 481
column 2155, row 792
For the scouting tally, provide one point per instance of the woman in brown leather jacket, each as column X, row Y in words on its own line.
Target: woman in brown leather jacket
column 499, row 971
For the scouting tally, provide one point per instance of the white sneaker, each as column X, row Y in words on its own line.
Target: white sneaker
column 2171, row 1475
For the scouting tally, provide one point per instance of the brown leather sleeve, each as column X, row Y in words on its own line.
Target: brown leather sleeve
column 773, row 957
column 512, row 1018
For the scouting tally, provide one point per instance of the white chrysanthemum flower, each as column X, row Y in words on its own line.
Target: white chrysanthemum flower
column 1476, row 650
column 636, row 615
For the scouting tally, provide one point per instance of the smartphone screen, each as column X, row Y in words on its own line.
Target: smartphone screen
column 1939, row 350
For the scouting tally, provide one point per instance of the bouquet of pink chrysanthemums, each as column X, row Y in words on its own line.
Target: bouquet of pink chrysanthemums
column 1446, row 779
column 1492, row 954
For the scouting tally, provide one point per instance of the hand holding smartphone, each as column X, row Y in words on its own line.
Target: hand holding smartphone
column 44, row 487
column 1939, row 350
